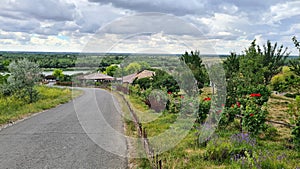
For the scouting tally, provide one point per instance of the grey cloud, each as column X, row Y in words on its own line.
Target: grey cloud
column 11, row 25
column 151, row 23
column 92, row 18
column 180, row 7
column 41, row 9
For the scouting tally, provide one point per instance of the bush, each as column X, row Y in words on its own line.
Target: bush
column 259, row 159
column 219, row 150
column 229, row 115
column 254, row 118
column 203, row 110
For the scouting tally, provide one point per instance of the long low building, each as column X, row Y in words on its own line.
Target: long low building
column 98, row 77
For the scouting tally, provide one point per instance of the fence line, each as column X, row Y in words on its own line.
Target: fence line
column 142, row 133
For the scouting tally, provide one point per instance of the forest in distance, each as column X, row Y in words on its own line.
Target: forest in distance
column 69, row 60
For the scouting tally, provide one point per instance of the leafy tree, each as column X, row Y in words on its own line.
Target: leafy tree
column 194, row 62
column 58, row 73
column 110, row 70
column 24, row 75
column 3, row 78
column 273, row 59
column 295, row 63
column 144, row 65
column 133, row 67
column 297, row 44
column 162, row 80
column 248, row 75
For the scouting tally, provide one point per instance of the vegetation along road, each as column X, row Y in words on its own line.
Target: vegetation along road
column 56, row 138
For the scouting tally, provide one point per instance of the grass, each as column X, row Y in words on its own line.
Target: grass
column 188, row 154
column 134, row 147
column 13, row 109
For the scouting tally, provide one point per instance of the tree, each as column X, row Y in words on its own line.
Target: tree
column 194, row 62
column 24, row 75
column 273, row 59
column 110, row 70
column 295, row 63
column 296, row 43
column 133, row 67
column 58, row 73
column 3, row 78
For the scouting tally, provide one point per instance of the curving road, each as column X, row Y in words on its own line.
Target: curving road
column 57, row 139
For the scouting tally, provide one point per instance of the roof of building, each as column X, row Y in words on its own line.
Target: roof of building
column 97, row 76
column 143, row 74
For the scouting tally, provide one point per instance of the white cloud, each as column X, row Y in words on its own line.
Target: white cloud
column 281, row 11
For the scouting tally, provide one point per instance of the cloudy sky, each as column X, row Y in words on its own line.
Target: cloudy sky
column 162, row 26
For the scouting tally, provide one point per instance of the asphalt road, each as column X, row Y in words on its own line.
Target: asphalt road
column 57, row 139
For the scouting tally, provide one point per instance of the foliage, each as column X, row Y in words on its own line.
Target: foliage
column 3, row 78
column 58, row 73
column 259, row 159
column 254, row 118
column 294, row 112
column 110, row 70
column 287, row 80
column 219, row 150
column 295, row 66
column 110, row 60
column 194, row 62
column 248, row 75
column 203, row 110
column 24, row 75
column 296, row 43
column 144, row 83
column 229, row 115
column 162, row 80
column 133, row 68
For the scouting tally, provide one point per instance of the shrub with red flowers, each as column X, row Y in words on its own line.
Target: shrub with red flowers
column 250, row 105
column 254, row 118
column 229, row 115
column 203, row 109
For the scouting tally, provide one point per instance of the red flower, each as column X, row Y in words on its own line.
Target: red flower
column 182, row 96
column 255, row 95
column 238, row 104
column 169, row 92
column 223, row 105
column 207, row 99
column 251, row 114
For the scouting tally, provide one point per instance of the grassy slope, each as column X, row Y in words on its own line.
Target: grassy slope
column 12, row 109
column 188, row 155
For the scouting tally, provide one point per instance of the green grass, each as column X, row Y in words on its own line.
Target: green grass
column 12, row 108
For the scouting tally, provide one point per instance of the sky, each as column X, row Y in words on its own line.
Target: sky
column 143, row 26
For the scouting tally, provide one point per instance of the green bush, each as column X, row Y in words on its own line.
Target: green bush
column 203, row 110
column 219, row 150
column 254, row 118
column 259, row 159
